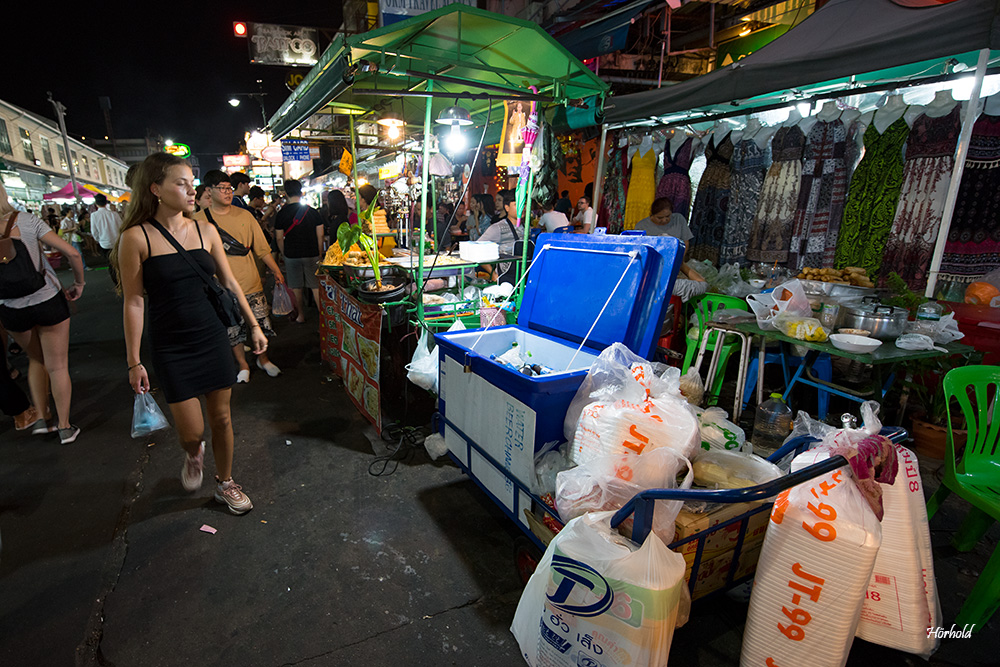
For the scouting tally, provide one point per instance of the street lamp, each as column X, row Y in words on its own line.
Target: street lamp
column 259, row 96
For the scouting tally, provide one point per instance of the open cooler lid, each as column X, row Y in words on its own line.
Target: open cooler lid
column 573, row 277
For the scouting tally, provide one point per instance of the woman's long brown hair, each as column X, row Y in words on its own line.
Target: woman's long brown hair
column 144, row 203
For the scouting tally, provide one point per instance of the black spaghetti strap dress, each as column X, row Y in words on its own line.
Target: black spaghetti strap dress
column 191, row 352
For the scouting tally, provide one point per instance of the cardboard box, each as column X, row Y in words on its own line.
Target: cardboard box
column 713, row 572
column 724, row 539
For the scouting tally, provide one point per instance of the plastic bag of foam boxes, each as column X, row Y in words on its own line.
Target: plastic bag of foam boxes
column 625, row 406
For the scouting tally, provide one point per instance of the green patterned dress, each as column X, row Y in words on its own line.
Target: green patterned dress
column 872, row 198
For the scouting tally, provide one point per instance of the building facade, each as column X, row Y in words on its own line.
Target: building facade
column 34, row 160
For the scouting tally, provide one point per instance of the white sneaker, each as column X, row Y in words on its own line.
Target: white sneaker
column 269, row 368
column 231, row 494
column 243, row 377
column 191, row 473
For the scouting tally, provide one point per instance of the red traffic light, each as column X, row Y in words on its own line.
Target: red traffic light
column 239, row 29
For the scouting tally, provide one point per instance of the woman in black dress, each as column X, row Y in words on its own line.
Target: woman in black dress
column 190, row 347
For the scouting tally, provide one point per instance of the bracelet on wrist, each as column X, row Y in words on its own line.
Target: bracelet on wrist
column 79, row 284
column 136, row 366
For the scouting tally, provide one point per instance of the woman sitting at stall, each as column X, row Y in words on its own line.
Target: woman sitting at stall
column 663, row 222
column 504, row 232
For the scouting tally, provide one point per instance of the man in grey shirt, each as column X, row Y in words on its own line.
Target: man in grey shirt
column 663, row 222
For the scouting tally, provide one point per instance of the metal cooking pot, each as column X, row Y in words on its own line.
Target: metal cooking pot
column 884, row 322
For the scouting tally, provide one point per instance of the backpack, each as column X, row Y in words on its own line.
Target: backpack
column 18, row 276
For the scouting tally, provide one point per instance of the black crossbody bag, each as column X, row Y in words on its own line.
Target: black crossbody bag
column 230, row 244
column 225, row 303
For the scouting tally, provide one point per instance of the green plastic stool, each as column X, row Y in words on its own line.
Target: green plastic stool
column 704, row 308
column 976, row 478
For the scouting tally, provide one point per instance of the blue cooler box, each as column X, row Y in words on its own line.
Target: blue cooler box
column 511, row 416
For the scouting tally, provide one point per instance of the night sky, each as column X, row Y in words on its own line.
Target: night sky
column 169, row 67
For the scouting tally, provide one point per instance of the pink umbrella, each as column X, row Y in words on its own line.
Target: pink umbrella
column 67, row 193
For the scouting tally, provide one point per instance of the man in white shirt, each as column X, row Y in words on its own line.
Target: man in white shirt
column 551, row 219
column 104, row 227
column 584, row 218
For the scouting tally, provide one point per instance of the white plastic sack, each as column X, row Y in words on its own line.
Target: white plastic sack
column 719, row 469
column 623, row 406
column 423, row 368
column 607, row 483
column 597, row 598
column 717, row 432
column 814, row 568
column 902, row 600
column 785, row 299
column 692, row 387
column 549, row 462
column 915, row 341
column 941, row 331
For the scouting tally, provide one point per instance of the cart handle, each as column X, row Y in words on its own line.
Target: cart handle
column 643, row 503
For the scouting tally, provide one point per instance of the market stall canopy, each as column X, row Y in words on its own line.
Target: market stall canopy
column 67, row 192
column 460, row 51
column 832, row 47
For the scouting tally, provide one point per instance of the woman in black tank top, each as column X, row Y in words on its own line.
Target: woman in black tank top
column 189, row 345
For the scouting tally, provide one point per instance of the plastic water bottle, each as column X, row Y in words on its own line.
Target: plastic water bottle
column 772, row 426
column 930, row 310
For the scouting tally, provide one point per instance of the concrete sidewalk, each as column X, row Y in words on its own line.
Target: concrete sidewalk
column 104, row 562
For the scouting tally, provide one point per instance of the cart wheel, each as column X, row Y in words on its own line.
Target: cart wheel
column 526, row 557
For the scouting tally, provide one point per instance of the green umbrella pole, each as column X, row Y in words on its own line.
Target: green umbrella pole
column 424, row 175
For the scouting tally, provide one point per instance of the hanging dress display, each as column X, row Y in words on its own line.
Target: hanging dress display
column 675, row 184
column 973, row 247
column 641, row 188
column 615, row 186
column 822, row 195
column 930, row 157
column 772, row 225
column 872, row 198
column 708, row 217
column 749, row 165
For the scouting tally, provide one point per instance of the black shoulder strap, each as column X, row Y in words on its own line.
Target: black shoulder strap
column 201, row 241
column 513, row 229
column 148, row 246
column 212, row 285
column 227, row 238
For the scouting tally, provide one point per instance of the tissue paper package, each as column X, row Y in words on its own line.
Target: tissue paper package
column 902, row 600
column 814, row 568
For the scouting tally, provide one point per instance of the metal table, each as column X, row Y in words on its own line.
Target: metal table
column 883, row 360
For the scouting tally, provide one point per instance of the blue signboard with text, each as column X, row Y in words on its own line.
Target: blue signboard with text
column 294, row 150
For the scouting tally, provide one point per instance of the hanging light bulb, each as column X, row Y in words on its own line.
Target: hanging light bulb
column 393, row 132
column 456, row 140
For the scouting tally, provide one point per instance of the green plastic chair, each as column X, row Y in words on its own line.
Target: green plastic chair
column 704, row 308
column 975, row 478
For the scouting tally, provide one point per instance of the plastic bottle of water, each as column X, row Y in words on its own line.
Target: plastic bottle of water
column 930, row 310
column 771, row 426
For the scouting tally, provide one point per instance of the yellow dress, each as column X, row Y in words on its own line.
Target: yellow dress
column 641, row 188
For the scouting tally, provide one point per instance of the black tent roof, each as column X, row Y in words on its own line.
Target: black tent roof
column 844, row 38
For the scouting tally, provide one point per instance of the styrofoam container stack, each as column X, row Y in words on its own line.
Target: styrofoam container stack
column 478, row 251
column 902, row 600
column 808, row 590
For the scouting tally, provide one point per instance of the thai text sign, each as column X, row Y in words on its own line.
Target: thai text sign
column 351, row 334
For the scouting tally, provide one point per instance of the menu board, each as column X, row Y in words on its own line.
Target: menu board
column 351, row 335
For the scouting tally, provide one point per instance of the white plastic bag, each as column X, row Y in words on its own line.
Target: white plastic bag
column 941, row 331
column 814, row 568
column 915, row 341
column 607, row 483
column 718, row 469
column 717, row 432
column 423, row 368
column 146, row 416
column 549, row 462
column 785, row 299
column 597, row 598
column 281, row 300
column 623, row 406
column 692, row 386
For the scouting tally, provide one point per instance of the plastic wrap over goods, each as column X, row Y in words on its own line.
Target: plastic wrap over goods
column 597, row 598
column 624, row 406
